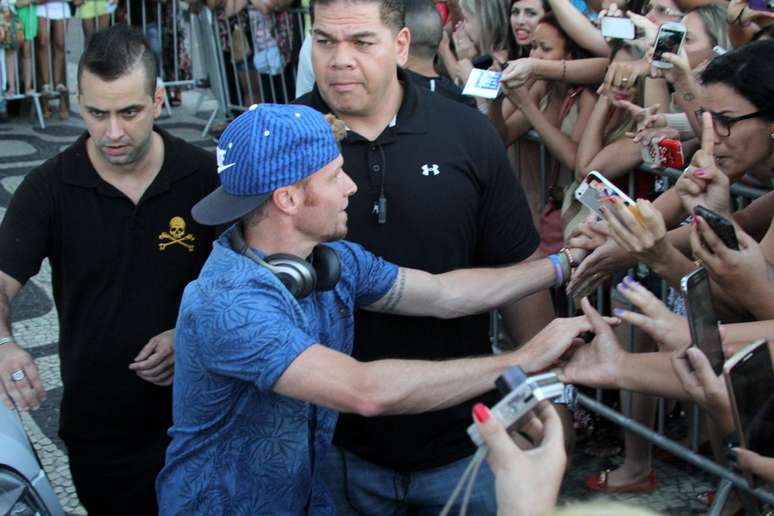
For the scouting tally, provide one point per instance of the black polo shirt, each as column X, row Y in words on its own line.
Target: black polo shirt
column 441, row 86
column 118, row 271
column 452, row 202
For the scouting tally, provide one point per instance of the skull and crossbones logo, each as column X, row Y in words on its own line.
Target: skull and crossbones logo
column 176, row 235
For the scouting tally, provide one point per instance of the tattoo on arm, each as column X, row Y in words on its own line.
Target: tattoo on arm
column 395, row 294
column 688, row 96
column 400, row 283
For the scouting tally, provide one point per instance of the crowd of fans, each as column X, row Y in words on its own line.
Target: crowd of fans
column 596, row 104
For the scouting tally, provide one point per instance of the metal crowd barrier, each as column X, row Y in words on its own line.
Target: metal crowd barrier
column 38, row 68
column 250, row 58
column 729, row 478
column 743, row 194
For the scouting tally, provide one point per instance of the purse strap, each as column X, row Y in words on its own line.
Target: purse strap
column 567, row 104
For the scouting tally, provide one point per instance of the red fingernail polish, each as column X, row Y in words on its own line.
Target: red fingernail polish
column 481, row 413
column 699, row 172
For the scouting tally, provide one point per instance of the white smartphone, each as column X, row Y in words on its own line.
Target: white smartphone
column 617, row 27
column 596, row 189
column 670, row 39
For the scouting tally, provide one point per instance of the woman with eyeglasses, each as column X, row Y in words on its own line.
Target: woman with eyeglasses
column 737, row 95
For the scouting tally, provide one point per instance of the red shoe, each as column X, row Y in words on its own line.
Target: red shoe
column 598, row 482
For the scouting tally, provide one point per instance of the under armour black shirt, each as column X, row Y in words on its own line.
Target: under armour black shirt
column 453, row 201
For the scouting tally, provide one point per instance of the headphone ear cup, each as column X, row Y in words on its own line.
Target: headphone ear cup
column 327, row 266
column 296, row 274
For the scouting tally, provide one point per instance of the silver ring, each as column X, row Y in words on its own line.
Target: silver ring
column 18, row 375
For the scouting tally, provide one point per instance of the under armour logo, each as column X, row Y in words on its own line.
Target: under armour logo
column 221, row 155
column 427, row 169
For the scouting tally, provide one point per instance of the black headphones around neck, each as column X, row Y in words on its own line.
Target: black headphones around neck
column 299, row 276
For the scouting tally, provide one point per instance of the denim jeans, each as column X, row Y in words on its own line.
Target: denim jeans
column 360, row 487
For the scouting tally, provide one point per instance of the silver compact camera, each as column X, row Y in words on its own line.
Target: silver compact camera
column 522, row 394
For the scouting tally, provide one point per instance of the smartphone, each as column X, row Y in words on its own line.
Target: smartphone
column 666, row 153
column 749, row 376
column 702, row 321
column 670, row 39
column 720, row 225
column 596, row 189
column 616, row 27
column 761, row 5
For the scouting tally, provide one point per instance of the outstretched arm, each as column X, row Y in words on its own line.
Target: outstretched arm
column 464, row 291
column 327, row 377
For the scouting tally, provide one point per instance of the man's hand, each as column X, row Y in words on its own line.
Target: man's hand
column 156, row 361
column 526, row 482
column 707, row 389
column 547, row 347
column 595, row 364
column 20, row 384
column 703, row 182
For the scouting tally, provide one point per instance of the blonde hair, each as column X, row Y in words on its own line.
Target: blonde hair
column 493, row 18
column 338, row 127
column 713, row 17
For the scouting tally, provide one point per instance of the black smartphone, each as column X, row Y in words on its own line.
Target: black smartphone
column 722, row 227
column 749, row 376
column 702, row 320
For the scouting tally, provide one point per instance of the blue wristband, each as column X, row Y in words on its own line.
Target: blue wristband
column 557, row 270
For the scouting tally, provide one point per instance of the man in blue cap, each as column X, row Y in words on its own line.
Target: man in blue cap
column 264, row 334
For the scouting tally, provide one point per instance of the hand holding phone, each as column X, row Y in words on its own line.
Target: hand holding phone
column 749, row 375
column 596, row 189
column 722, row 227
column 617, row 28
column 702, row 321
column 669, row 39
column 705, row 387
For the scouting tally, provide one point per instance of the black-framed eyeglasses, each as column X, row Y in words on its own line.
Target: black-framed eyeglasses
column 723, row 123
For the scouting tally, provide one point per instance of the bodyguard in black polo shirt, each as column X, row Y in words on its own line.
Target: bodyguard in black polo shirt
column 112, row 214
column 435, row 192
